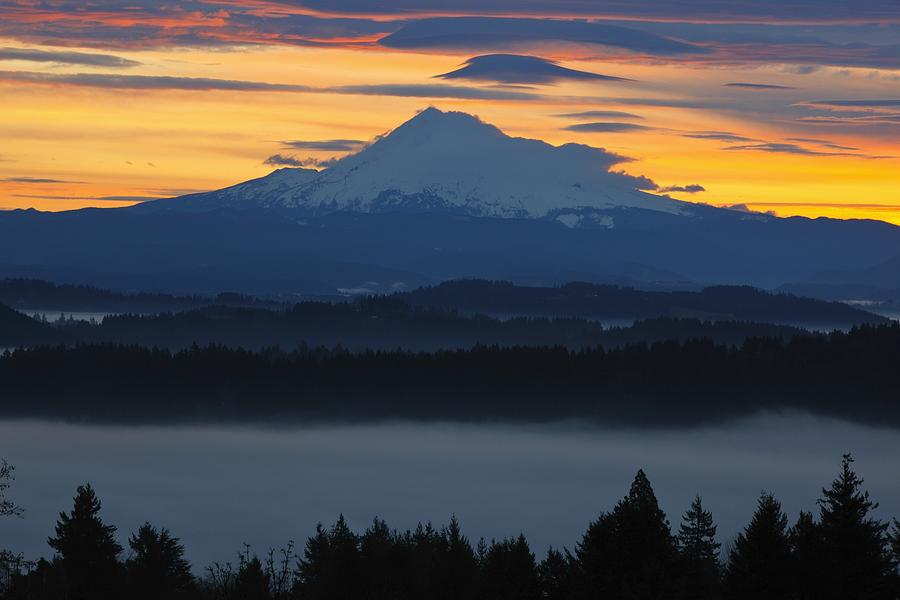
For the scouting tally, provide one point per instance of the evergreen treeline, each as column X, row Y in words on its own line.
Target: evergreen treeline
column 850, row 375
column 629, row 552
column 44, row 295
column 611, row 301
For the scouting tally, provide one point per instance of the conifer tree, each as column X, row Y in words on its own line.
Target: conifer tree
column 457, row 567
column 857, row 561
column 806, row 557
column 630, row 552
column 157, row 567
column 556, row 576
column 251, row 582
column 759, row 563
column 698, row 554
column 509, row 572
column 87, row 549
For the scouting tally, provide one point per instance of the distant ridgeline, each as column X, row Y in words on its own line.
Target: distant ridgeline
column 35, row 294
column 844, row 552
column 848, row 375
column 451, row 315
column 614, row 302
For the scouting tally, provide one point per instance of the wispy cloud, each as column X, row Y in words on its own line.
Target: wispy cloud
column 600, row 114
column 325, row 145
column 36, row 180
column 759, row 86
column 694, row 188
column 606, row 127
column 282, row 160
column 786, row 148
column 68, row 58
column 147, row 82
column 719, row 136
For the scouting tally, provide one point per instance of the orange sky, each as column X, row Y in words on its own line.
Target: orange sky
column 67, row 144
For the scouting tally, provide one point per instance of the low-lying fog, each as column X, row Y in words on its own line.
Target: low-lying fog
column 218, row 486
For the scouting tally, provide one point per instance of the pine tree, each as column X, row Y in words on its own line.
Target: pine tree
column 556, row 576
column 157, row 568
column 509, row 572
column 457, row 567
column 806, row 557
column 630, row 552
column 87, row 548
column 759, row 563
column 251, row 582
column 698, row 554
column 857, row 559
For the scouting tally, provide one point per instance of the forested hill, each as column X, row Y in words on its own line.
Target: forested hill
column 613, row 302
column 373, row 323
column 17, row 329
column 35, row 294
column 848, row 375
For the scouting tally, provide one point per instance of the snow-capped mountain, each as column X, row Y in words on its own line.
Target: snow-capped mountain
column 450, row 162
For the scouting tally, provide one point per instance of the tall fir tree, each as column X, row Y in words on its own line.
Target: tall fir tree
column 629, row 552
column 157, row 567
column 557, row 575
column 509, row 572
column 759, row 564
column 806, row 557
column 88, row 550
column 857, row 561
column 698, row 555
column 457, row 568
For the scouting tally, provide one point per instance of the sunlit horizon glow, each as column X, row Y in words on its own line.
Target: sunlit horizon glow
column 107, row 105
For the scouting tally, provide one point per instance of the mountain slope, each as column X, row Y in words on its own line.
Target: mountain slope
column 449, row 162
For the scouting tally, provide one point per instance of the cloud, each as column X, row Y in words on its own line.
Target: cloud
column 320, row 163
column 36, row 180
column 694, row 188
column 434, row 91
column 606, row 127
column 281, row 160
column 823, row 143
column 147, row 82
column 502, row 33
column 746, row 208
column 153, row 82
column 719, row 136
column 69, row 58
column 600, row 114
column 326, row 145
column 786, row 148
column 857, row 104
column 810, row 11
column 514, row 68
column 93, row 198
column 759, row 86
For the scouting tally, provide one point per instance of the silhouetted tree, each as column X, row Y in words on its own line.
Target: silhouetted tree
column 157, row 568
column 698, row 554
column 629, row 552
column 251, row 582
column 509, row 572
column 806, row 557
column 7, row 507
column 88, row 549
column 556, row 575
column 330, row 567
column 457, row 569
column 759, row 563
column 857, row 561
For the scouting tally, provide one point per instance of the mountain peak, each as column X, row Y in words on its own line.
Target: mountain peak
column 454, row 162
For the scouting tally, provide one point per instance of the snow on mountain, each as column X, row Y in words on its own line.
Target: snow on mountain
column 453, row 162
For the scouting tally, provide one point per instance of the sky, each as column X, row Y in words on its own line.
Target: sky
column 789, row 106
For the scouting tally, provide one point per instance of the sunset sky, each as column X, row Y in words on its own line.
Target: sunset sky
column 788, row 106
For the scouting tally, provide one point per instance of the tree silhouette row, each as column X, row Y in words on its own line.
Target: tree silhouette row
column 842, row 553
